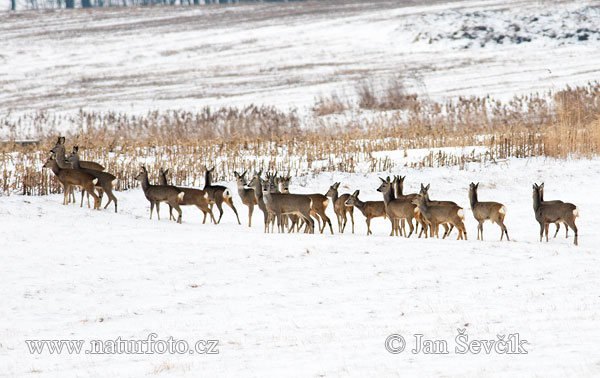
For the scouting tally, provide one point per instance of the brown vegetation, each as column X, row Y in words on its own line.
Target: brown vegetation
column 566, row 123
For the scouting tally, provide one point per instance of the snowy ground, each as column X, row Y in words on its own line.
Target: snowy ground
column 305, row 305
column 287, row 55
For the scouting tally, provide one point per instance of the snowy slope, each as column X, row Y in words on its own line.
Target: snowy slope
column 304, row 305
column 136, row 60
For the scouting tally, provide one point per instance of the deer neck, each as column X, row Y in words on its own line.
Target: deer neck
column 207, row 179
column 55, row 168
column 75, row 162
column 145, row 183
column 536, row 200
column 473, row 198
column 60, row 160
column 388, row 195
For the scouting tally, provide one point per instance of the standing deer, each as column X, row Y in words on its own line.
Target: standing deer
column 483, row 211
column 105, row 183
column 160, row 193
column 59, row 150
column 370, row 209
column 280, row 204
column 396, row 208
column 546, row 213
column 192, row 197
column 256, row 185
column 541, row 187
column 317, row 209
column 246, row 194
column 436, row 214
column 340, row 208
column 447, row 226
column 73, row 177
column 217, row 194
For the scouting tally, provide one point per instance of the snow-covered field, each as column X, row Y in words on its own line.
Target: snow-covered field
column 288, row 55
column 305, row 305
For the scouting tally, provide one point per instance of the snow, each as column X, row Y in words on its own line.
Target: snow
column 141, row 59
column 305, row 305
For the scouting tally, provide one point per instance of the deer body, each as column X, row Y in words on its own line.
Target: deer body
column 156, row 194
column 483, row 211
column 217, row 194
column 105, row 183
column 546, row 213
column 340, row 208
column 436, row 214
column 73, row 177
column 318, row 206
column 370, row 209
column 191, row 197
column 246, row 194
column 396, row 208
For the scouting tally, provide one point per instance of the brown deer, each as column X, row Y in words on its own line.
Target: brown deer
column 156, row 194
column 192, row 197
column 546, row 213
column 105, row 183
column 447, row 226
column 483, row 211
column 551, row 202
column 280, row 204
column 396, row 208
column 73, row 177
column 436, row 214
column 217, row 194
column 246, row 194
column 318, row 207
column 59, row 150
column 256, row 184
column 370, row 209
column 340, row 208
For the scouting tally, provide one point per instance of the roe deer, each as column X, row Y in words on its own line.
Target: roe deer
column 483, row 211
column 370, row 209
column 398, row 185
column 217, row 194
column 246, row 194
column 192, row 197
column 550, row 202
column 425, row 192
column 340, row 208
column 160, row 193
column 436, row 214
column 546, row 213
column 396, row 208
column 105, row 183
column 256, row 185
column 280, row 204
column 317, row 209
column 73, row 177
column 59, row 149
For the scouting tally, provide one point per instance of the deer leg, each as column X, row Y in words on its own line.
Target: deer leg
column 368, row 226
column 204, row 220
column 220, row 207
column 250, row 211
column 541, row 230
column 171, row 217
column 571, row 223
column 412, row 228
column 546, row 227
column 158, row 209
column 566, row 230
column 151, row 208
column 176, row 206
column 480, row 230
column 229, row 201
column 351, row 211
column 558, row 229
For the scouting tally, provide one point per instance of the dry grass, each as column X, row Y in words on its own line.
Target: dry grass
column 560, row 125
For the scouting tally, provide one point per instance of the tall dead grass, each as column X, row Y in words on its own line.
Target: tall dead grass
column 559, row 125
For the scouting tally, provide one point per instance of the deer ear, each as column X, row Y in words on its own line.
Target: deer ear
column 427, row 187
column 75, row 149
column 61, row 140
column 244, row 173
column 166, row 171
column 356, row 193
column 542, row 186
